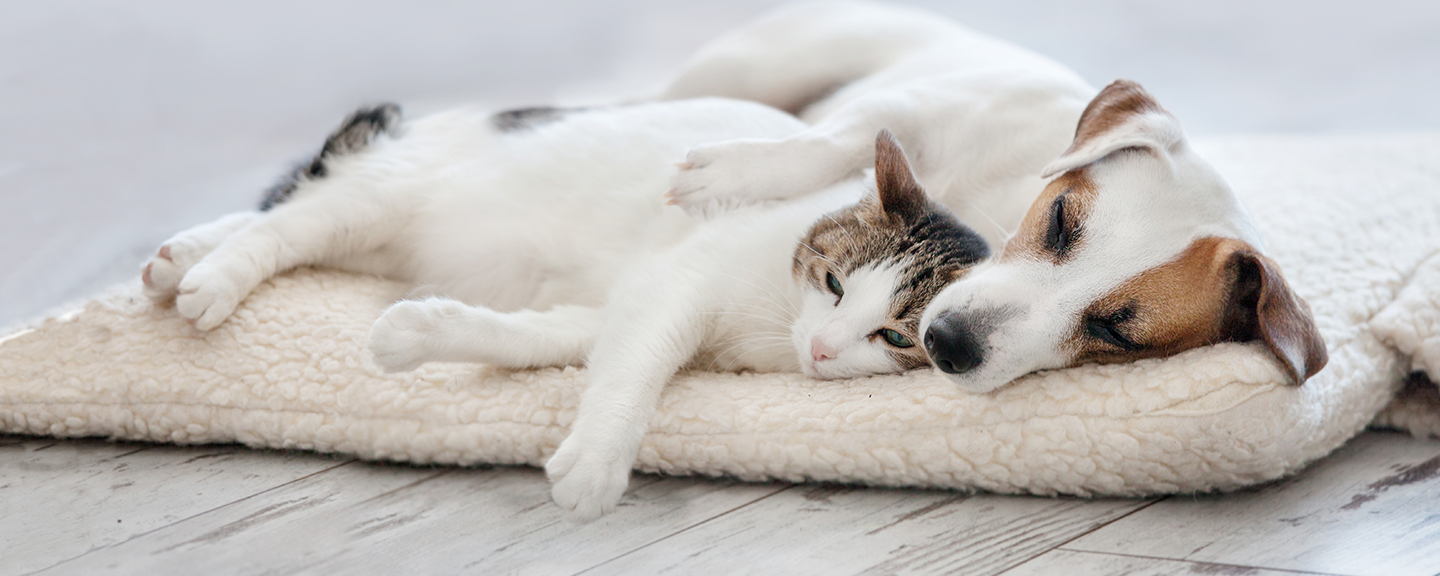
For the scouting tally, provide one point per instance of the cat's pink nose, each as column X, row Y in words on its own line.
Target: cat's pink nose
column 819, row 350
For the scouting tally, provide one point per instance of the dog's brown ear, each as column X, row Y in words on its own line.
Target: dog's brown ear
column 1122, row 116
column 900, row 194
column 1262, row 307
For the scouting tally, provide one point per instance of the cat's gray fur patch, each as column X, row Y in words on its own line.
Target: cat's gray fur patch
column 354, row 134
column 528, row 118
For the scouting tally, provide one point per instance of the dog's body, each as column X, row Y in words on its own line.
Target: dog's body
column 1138, row 248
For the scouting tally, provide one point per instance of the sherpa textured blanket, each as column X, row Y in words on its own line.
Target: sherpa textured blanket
column 1353, row 221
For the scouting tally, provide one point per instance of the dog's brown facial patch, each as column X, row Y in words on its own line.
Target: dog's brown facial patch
column 1173, row 307
column 1054, row 228
column 1217, row 290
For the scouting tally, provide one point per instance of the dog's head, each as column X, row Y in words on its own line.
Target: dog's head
column 1138, row 249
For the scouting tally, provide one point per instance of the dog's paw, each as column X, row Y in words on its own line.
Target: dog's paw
column 718, row 176
column 206, row 297
column 587, row 481
column 407, row 333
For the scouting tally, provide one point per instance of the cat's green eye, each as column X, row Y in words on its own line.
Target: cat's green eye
column 833, row 284
column 896, row 339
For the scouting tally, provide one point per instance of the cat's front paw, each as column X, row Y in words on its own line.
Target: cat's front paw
column 587, row 480
column 206, row 297
column 405, row 335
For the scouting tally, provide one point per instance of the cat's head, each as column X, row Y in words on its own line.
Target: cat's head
column 868, row 272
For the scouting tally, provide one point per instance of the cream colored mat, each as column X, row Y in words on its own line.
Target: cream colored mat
column 1355, row 223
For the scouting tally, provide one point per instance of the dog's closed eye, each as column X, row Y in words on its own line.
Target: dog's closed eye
column 1108, row 329
column 1057, row 235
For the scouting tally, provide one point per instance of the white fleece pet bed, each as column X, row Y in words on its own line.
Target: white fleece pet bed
column 1355, row 223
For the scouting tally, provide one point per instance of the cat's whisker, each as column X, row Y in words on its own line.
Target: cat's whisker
column 785, row 305
column 729, row 366
column 1007, row 233
column 848, row 238
column 767, row 280
column 817, row 253
column 722, row 354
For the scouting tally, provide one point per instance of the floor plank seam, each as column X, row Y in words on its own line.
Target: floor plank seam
column 190, row 517
column 437, row 474
column 686, row 529
column 130, row 453
column 1083, row 534
column 1203, row 563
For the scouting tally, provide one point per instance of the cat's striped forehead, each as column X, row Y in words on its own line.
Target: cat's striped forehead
column 926, row 252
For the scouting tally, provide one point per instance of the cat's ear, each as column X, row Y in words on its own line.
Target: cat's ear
column 900, row 194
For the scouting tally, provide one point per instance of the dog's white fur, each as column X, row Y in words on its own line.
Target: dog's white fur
column 987, row 124
column 978, row 116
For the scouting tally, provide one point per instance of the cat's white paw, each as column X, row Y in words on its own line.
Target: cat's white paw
column 206, row 297
column 163, row 273
column 405, row 335
column 587, row 480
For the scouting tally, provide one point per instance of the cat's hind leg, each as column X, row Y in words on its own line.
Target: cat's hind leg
column 162, row 273
column 340, row 209
column 412, row 332
column 342, row 221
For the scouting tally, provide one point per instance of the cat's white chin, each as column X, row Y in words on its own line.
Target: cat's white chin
column 822, row 371
column 812, row 369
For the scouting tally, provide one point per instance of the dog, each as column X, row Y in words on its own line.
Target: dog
column 1112, row 239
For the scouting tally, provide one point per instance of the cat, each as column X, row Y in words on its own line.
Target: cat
column 545, row 230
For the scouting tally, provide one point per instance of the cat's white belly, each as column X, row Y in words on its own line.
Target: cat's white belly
column 567, row 249
column 544, row 221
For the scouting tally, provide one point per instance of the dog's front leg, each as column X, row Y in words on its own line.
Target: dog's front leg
column 747, row 171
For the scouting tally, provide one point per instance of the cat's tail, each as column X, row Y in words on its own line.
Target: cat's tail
column 356, row 133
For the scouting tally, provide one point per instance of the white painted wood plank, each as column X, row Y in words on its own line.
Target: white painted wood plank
column 1071, row 563
column 61, row 498
column 829, row 529
column 536, row 539
column 359, row 519
column 1372, row 508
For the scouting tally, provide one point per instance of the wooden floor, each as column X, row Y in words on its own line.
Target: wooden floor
column 95, row 507
column 122, row 123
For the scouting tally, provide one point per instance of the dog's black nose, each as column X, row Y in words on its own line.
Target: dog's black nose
column 953, row 346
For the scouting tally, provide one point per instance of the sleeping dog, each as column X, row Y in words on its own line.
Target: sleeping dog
column 1113, row 240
